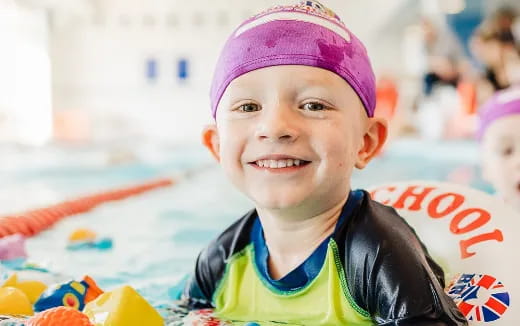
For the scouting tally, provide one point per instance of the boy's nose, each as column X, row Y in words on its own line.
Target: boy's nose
column 277, row 124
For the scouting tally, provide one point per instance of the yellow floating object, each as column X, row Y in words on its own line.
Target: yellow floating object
column 32, row 289
column 14, row 302
column 122, row 307
column 82, row 235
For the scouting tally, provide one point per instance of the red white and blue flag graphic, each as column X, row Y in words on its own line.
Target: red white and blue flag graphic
column 479, row 297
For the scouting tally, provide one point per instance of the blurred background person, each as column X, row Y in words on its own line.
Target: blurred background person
column 499, row 136
column 444, row 56
column 496, row 48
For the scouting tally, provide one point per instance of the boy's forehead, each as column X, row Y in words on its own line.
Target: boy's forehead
column 288, row 76
column 504, row 128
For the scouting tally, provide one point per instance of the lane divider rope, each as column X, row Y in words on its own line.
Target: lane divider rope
column 32, row 222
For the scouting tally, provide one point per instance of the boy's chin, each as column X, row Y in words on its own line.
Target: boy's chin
column 277, row 203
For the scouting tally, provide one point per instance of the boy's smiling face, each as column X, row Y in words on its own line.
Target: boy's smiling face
column 501, row 157
column 290, row 136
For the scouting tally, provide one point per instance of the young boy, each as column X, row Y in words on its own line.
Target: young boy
column 293, row 99
column 499, row 133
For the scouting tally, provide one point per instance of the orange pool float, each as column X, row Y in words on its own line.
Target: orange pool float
column 59, row 316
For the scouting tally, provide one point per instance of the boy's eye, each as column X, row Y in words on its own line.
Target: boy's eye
column 249, row 107
column 313, row 106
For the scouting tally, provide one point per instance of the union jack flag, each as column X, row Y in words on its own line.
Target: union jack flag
column 314, row 4
column 479, row 297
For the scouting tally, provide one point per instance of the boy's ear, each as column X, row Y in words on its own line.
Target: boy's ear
column 373, row 141
column 210, row 140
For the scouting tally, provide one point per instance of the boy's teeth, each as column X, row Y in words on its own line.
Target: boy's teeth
column 278, row 164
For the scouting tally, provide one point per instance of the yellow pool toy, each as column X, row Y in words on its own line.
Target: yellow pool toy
column 32, row 289
column 14, row 302
column 82, row 235
column 122, row 307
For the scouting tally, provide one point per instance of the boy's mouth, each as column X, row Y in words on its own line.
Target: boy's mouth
column 279, row 162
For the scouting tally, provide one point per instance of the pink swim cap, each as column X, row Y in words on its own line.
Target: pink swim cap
column 501, row 104
column 306, row 34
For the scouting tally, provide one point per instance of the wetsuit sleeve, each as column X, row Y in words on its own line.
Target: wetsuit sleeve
column 198, row 289
column 211, row 263
column 390, row 273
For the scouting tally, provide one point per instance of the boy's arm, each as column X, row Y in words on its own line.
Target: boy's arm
column 392, row 276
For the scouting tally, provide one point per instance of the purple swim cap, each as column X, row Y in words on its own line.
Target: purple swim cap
column 306, row 34
column 501, row 104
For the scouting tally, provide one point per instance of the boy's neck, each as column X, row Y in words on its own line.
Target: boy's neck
column 292, row 240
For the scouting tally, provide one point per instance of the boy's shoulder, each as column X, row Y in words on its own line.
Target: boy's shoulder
column 372, row 221
column 379, row 249
column 374, row 229
column 234, row 238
